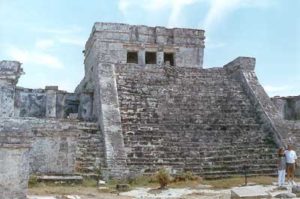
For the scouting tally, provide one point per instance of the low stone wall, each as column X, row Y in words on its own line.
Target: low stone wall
column 53, row 152
column 61, row 146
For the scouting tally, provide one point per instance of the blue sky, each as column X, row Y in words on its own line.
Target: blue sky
column 48, row 36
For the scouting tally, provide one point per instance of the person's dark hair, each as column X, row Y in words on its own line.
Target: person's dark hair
column 280, row 152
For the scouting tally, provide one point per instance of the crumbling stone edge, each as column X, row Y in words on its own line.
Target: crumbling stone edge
column 242, row 69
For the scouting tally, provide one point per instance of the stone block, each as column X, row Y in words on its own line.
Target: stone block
column 250, row 192
column 285, row 195
column 296, row 189
column 122, row 187
column 241, row 63
column 14, row 172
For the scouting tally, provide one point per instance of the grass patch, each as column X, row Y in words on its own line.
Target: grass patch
column 32, row 181
column 89, row 182
column 184, row 184
column 239, row 180
column 143, row 181
column 86, row 182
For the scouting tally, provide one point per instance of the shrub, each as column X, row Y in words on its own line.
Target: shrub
column 32, row 181
column 163, row 178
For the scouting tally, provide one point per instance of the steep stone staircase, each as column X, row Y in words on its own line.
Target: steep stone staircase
column 199, row 121
column 90, row 150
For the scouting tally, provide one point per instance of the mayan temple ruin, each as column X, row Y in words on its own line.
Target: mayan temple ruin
column 145, row 102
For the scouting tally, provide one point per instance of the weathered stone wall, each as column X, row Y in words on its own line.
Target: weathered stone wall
column 13, row 172
column 85, row 109
column 66, row 147
column 193, row 119
column 288, row 122
column 59, row 104
column 187, row 44
column 10, row 71
column 289, row 107
column 14, row 165
column 58, row 146
column 30, row 103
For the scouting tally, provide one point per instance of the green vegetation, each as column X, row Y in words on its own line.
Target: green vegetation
column 163, row 178
column 32, row 181
column 238, row 181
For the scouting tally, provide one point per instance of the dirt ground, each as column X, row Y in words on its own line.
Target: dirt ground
column 94, row 193
column 213, row 189
column 82, row 192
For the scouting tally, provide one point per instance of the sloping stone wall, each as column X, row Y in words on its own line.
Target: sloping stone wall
column 242, row 70
column 269, row 110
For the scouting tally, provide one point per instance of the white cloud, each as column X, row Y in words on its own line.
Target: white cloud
column 44, row 44
column 220, row 9
column 35, row 57
column 156, row 7
column 281, row 90
column 70, row 35
column 177, row 6
column 270, row 88
column 217, row 12
column 214, row 44
column 72, row 41
column 59, row 31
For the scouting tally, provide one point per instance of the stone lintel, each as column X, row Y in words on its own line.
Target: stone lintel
column 241, row 63
column 53, row 88
column 15, row 146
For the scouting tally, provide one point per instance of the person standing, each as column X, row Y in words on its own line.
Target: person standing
column 281, row 165
column 291, row 157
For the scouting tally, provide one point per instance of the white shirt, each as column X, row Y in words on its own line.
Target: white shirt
column 290, row 156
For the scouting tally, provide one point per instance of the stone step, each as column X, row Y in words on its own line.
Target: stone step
column 60, row 179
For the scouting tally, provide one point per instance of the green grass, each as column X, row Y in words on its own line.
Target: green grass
column 239, row 180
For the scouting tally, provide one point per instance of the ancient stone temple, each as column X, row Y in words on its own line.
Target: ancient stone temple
column 144, row 103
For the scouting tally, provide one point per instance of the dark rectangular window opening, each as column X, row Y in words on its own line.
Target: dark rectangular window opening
column 150, row 57
column 169, row 57
column 132, row 57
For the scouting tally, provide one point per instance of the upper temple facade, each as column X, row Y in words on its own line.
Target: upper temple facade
column 142, row 45
column 145, row 102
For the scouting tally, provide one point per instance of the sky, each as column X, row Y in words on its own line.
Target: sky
column 48, row 37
